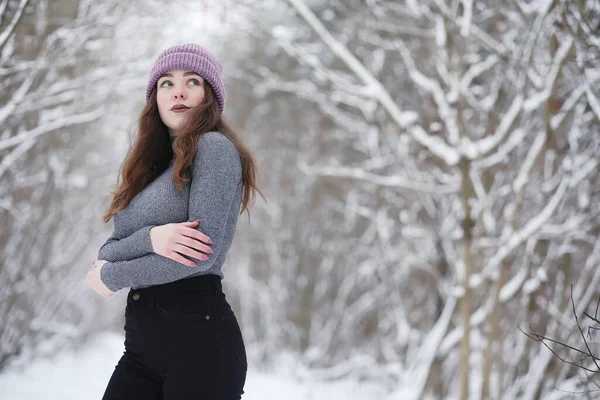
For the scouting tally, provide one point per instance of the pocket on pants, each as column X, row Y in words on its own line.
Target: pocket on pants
column 184, row 304
column 231, row 340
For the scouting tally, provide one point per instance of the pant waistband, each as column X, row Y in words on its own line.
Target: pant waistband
column 195, row 284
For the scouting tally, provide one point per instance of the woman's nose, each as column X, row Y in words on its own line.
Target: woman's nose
column 179, row 95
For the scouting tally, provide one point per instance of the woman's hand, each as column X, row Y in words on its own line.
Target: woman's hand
column 178, row 239
column 95, row 281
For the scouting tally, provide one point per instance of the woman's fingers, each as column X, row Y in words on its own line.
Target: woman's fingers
column 195, row 234
column 196, row 245
column 181, row 259
column 191, row 222
column 188, row 251
column 191, row 243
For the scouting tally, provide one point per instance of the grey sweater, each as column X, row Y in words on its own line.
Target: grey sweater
column 213, row 196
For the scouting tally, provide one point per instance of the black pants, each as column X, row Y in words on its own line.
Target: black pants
column 182, row 341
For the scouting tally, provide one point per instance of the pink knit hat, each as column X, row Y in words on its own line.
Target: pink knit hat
column 191, row 57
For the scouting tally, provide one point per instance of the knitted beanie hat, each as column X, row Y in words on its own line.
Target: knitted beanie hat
column 191, row 57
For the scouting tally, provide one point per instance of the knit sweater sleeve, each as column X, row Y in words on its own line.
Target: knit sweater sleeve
column 216, row 176
column 133, row 246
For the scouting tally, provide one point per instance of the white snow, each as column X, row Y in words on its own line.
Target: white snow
column 593, row 101
column 84, row 374
column 375, row 89
column 467, row 17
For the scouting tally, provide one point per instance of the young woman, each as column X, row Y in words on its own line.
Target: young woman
column 183, row 184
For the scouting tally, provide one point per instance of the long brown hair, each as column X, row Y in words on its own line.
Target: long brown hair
column 152, row 152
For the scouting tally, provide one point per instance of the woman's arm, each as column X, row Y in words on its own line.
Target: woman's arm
column 136, row 245
column 216, row 179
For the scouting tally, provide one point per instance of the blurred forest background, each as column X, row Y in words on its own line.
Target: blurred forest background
column 431, row 170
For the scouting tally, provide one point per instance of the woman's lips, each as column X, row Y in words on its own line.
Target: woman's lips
column 179, row 108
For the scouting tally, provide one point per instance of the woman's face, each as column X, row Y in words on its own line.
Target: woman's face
column 176, row 92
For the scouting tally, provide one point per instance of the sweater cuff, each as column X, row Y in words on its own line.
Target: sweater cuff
column 142, row 240
column 108, row 276
column 136, row 245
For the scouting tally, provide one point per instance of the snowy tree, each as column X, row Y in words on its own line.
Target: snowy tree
column 581, row 351
column 52, row 94
column 430, row 169
column 442, row 192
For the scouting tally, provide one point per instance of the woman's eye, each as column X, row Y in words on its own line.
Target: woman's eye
column 164, row 83
column 195, row 81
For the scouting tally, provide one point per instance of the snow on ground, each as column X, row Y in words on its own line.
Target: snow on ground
column 83, row 375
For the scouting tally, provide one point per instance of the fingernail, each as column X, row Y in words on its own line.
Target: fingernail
column 210, row 241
